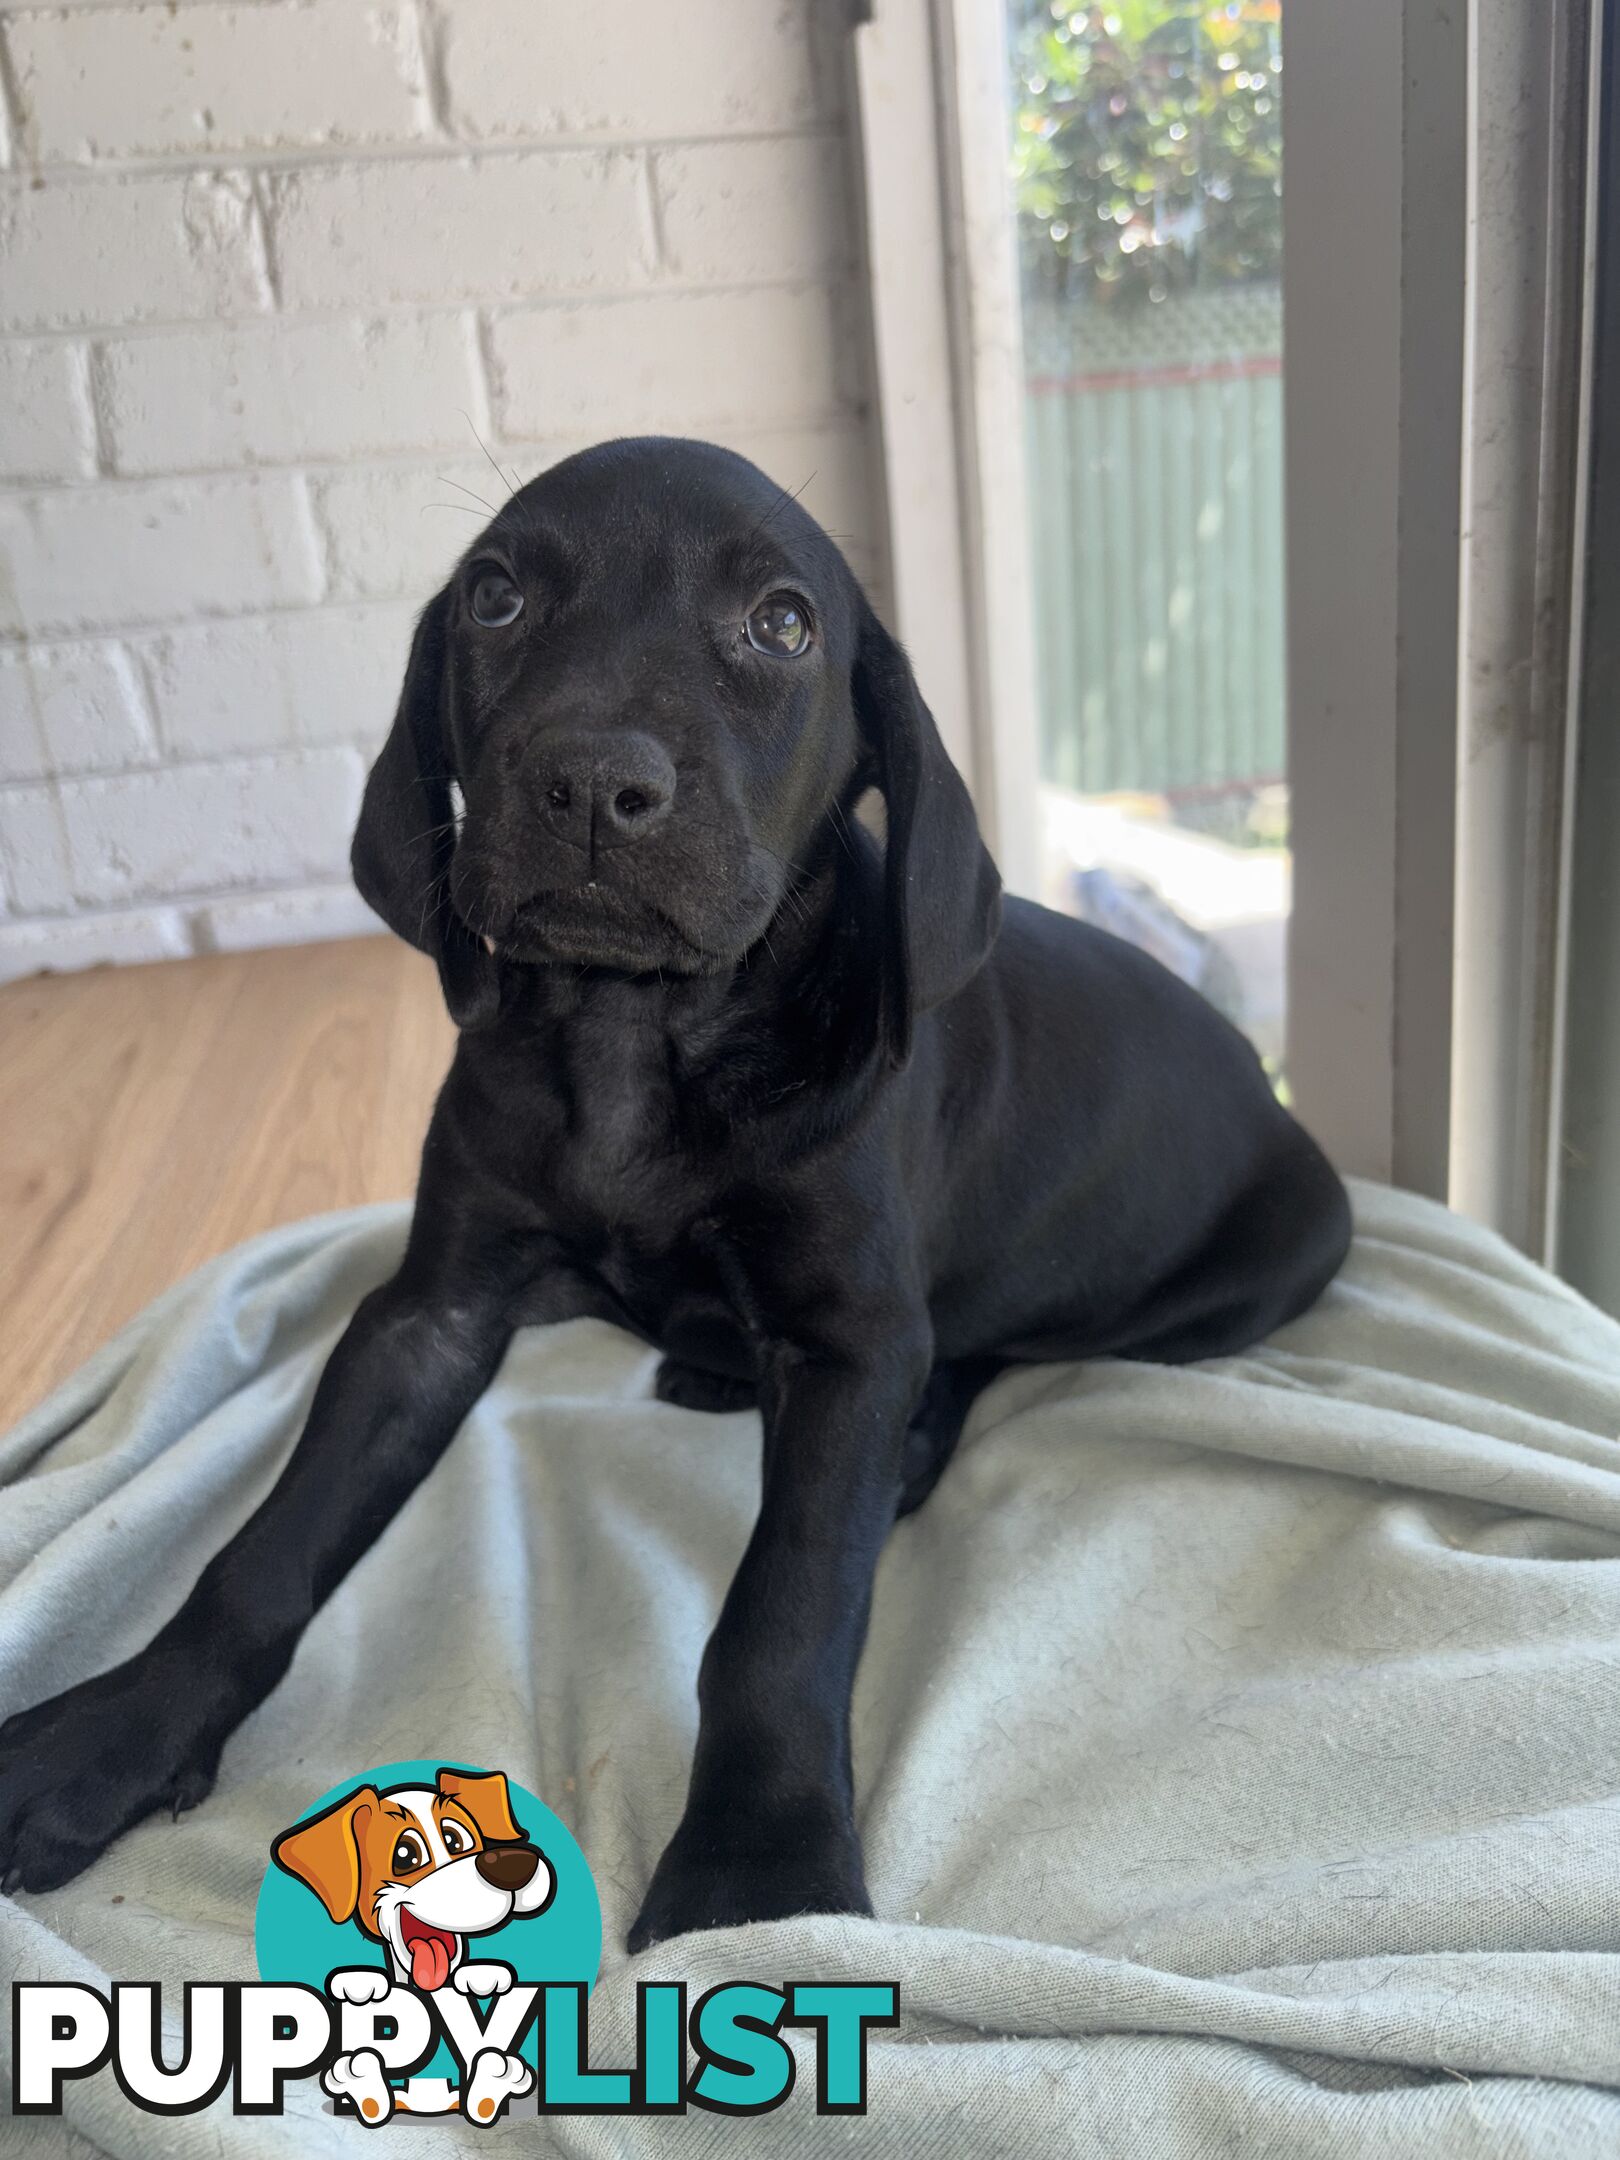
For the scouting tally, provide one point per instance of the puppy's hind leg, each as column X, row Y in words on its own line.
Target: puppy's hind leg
column 936, row 1426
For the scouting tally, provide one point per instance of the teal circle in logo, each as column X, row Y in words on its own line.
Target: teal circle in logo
column 296, row 1939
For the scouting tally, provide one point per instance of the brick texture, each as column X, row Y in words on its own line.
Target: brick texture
column 514, row 69
column 302, row 916
column 153, row 835
column 472, row 229
column 284, row 392
column 47, row 946
column 88, row 558
column 47, row 428
column 691, row 361
column 320, row 675
column 71, row 709
column 395, row 531
column 139, row 82
column 736, row 212
column 34, row 850
column 280, row 279
column 160, row 247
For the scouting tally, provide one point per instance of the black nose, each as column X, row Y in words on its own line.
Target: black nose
column 605, row 791
column 508, row 1867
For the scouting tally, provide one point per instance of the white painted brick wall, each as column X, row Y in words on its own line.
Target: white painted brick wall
column 47, row 426
column 77, row 708
column 150, row 247
column 732, row 212
column 83, row 558
column 264, row 268
column 283, row 391
column 312, row 675
column 514, row 69
column 145, row 836
column 140, row 82
column 699, row 360
column 472, row 229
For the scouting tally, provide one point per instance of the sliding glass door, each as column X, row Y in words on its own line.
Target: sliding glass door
column 1145, row 157
column 1262, row 662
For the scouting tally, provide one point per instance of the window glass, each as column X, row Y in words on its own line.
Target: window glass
column 1147, row 169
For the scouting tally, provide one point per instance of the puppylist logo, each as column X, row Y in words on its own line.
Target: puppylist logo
column 427, row 1937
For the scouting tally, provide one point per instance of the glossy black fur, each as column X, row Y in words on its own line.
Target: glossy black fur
column 816, row 1116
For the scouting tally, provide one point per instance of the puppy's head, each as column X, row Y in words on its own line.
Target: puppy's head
column 633, row 719
column 420, row 1868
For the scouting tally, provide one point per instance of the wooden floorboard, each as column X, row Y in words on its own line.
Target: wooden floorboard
column 151, row 1117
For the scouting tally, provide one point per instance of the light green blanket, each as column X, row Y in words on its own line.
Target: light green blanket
column 1238, row 1746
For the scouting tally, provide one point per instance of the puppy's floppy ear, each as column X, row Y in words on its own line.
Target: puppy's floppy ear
column 941, row 891
column 406, row 836
column 325, row 1852
column 487, row 1799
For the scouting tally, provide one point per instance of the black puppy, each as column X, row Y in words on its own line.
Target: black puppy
column 809, row 1113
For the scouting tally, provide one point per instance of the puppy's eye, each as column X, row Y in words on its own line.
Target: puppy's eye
column 455, row 1838
column 495, row 601
column 409, row 1854
column 778, row 627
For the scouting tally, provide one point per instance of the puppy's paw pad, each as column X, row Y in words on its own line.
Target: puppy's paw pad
column 365, row 1984
column 496, row 2079
column 359, row 2078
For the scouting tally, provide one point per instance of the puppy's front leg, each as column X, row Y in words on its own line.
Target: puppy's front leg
column 80, row 1768
column 769, row 1827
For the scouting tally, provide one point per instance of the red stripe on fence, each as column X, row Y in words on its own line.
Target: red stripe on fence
column 1159, row 378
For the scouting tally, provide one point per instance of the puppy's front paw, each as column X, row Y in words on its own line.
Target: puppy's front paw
column 80, row 1769
column 483, row 1979
column 717, row 1872
column 362, row 1984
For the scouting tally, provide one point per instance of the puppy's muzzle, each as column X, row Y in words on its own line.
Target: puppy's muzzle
column 508, row 1867
column 598, row 793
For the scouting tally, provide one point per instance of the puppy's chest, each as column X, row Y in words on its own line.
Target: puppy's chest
column 637, row 1197
column 624, row 1157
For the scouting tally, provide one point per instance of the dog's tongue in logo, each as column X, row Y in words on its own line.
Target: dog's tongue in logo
column 430, row 1950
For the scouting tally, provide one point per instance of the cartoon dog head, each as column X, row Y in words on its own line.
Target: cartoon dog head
column 421, row 1867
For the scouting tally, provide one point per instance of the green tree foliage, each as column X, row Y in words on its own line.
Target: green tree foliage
column 1147, row 145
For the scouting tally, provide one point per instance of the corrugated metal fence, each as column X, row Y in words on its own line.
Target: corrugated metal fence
column 1155, row 475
